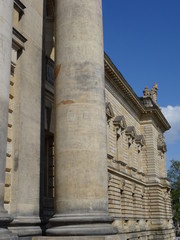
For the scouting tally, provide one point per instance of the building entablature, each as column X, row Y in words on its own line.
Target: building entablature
column 147, row 105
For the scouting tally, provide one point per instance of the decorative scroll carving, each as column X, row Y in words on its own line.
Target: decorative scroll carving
column 120, row 121
column 109, row 111
column 140, row 141
column 120, row 124
column 151, row 93
column 161, row 145
column 131, row 133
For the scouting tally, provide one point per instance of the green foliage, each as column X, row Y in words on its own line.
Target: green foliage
column 174, row 177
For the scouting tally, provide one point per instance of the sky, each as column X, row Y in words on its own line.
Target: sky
column 142, row 38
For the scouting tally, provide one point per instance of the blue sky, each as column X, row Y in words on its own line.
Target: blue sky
column 142, row 38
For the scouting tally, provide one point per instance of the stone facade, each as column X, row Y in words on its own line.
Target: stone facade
column 99, row 172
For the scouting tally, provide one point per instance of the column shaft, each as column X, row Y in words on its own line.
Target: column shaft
column 80, row 125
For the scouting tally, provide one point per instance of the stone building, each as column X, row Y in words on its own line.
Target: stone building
column 73, row 163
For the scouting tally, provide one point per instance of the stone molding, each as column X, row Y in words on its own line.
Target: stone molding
column 20, row 7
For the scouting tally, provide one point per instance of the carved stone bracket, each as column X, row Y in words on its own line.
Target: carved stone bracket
column 161, row 145
column 122, row 184
column 120, row 124
column 131, row 134
column 140, row 141
column 133, row 188
column 109, row 111
column 142, row 191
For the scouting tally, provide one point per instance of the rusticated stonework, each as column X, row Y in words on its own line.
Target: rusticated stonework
column 62, row 177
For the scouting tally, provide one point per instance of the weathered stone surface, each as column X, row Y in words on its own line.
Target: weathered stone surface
column 6, row 8
column 26, row 118
column 80, row 132
column 138, row 191
column 78, row 238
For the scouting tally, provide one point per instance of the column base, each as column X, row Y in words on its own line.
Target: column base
column 26, row 226
column 5, row 234
column 80, row 225
column 5, row 219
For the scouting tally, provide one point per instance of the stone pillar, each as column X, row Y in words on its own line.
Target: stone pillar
column 81, row 201
column 25, row 188
column 6, row 10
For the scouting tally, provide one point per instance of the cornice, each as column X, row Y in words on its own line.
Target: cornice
column 138, row 181
column 121, row 83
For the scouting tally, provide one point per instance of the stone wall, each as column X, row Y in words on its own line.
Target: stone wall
column 138, row 189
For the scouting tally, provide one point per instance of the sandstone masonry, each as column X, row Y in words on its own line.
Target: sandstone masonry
column 82, row 156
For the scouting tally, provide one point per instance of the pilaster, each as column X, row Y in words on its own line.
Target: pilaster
column 6, row 10
column 25, row 188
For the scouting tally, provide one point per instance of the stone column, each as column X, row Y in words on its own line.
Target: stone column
column 81, row 201
column 6, row 10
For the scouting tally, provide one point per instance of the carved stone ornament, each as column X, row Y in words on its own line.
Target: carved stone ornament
column 142, row 191
column 147, row 102
column 131, row 134
column 120, row 124
column 109, row 111
column 133, row 188
column 161, row 145
column 151, row 93
column 122, row 183
column 130, row 131
column 140, row 141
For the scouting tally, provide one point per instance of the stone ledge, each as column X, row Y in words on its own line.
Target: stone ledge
column 77, row 238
